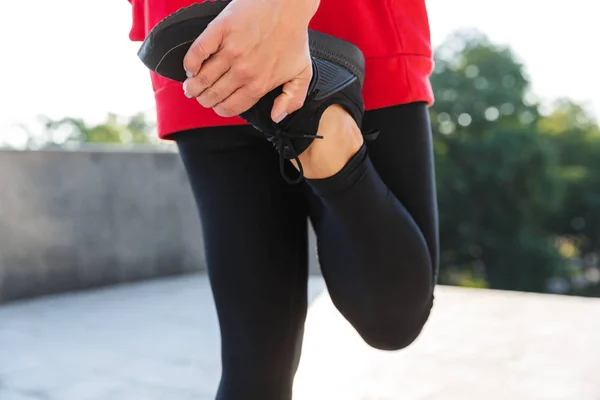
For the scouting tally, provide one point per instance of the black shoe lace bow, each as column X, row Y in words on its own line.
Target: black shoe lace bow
column 282, row 139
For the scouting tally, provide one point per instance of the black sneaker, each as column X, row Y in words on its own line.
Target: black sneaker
column 338, row 75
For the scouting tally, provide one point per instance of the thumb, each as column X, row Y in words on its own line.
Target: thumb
column 293, row 96
column 203, row 47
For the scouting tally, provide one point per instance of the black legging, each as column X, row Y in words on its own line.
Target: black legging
column 376, row 224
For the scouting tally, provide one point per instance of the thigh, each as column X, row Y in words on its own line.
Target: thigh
column 254, row 228
column 403, row 157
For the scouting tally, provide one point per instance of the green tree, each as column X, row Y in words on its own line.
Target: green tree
column 497, row 176
column 114, row 130
column 576, row 136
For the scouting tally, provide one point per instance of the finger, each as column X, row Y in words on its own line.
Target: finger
column 239, row 102
column 293, row 96
column 221, row 90
column 211, row 72
column 203, row 47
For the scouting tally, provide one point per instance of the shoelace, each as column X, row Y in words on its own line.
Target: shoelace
column 282, row 138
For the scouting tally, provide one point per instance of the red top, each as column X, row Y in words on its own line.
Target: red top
column 393, row 35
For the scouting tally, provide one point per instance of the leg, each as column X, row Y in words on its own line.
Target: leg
column 256, row 248
column 376, row 222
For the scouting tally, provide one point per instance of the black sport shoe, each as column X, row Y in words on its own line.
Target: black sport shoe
column 338, row 75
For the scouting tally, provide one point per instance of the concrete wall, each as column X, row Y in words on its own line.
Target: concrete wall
column 78, row 219
column 72, row 220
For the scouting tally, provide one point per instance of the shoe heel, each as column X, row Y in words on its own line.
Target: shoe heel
column 337, row 51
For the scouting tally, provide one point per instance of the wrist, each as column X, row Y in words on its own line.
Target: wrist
column 309, row 7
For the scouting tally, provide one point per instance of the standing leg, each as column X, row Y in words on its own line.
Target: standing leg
column 376, row 221
column 256, row 248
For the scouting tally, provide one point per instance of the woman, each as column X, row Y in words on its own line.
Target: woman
column 372, row 204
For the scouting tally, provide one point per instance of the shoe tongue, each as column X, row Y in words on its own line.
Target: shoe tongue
column 260, row 114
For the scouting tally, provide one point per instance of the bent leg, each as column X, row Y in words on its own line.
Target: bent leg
column 376, row 222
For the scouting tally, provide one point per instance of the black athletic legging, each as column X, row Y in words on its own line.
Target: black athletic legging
column 376, row 224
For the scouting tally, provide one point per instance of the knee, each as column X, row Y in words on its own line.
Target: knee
column 393, row 332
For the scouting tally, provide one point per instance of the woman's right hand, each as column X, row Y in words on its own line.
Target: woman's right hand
column 252, row 47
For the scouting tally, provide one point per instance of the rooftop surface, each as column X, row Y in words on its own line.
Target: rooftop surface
column 158, row 340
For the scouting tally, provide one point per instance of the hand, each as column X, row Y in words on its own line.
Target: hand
column 251, row 48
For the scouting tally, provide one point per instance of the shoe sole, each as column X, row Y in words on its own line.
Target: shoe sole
column 168, row 42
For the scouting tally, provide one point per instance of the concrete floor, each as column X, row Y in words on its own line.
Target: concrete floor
column 158, row 341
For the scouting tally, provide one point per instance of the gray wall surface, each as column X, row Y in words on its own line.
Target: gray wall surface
column 72, row 220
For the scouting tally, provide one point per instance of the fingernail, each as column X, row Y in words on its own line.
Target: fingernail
column 281, row 117
column 189, row 74
column 184, row 87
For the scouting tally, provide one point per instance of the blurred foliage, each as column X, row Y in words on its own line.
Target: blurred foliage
column 519, row 192
column 68, row 132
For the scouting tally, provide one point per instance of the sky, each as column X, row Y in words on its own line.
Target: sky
column 74, row 58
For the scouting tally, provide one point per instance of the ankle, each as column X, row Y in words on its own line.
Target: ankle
column 341, row 140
